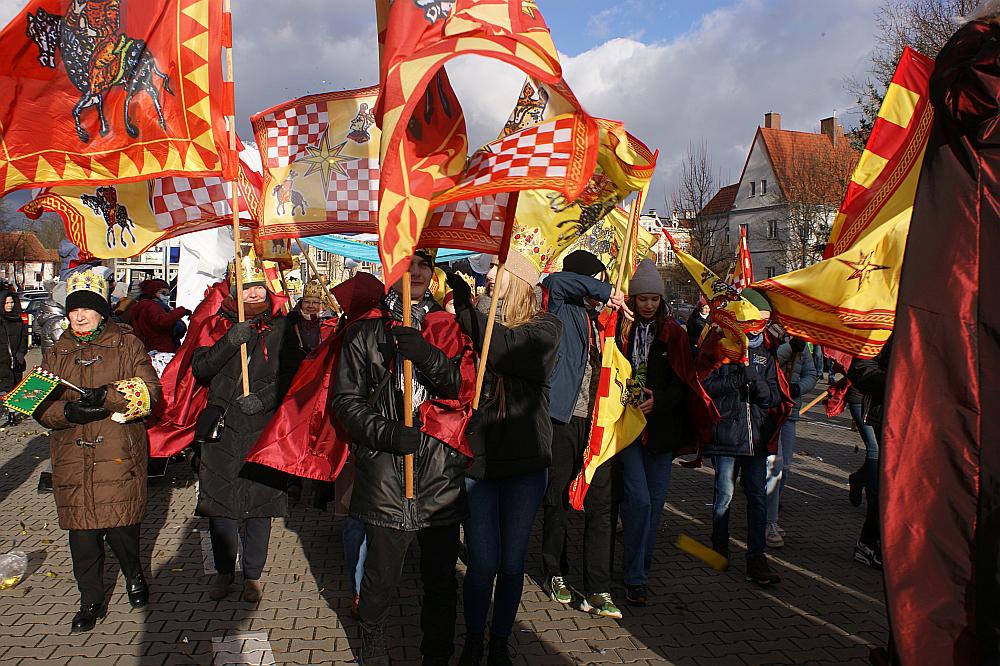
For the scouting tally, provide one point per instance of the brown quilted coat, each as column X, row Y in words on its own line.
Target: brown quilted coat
column 98, row 469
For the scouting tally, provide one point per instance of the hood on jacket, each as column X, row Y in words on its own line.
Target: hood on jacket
column 150, row 287
column 15, row 314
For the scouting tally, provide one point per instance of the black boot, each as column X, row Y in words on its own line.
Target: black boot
column 137, row 590
column 856, row 483
column 374, row 648
column 12, row 418
column 499, row 654
column 87, row 617
column 472, row 652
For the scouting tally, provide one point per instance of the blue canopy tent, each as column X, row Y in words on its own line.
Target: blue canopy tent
column 362, row 247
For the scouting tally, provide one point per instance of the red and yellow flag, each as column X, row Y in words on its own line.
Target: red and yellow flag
column 742, row 274
column 126, row 219
column 848, row 301
column 111, row 92
column 617, row 420
column 424, row 145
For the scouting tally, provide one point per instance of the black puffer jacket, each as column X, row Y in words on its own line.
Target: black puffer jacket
column 743, row 397
column 13, row 344
column 227, row 486
column 514, row 421
column 368, row 403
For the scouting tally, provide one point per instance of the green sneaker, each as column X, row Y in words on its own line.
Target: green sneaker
column 559, row 591
column 601, row 605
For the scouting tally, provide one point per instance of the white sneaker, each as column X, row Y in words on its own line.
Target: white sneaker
column 773, row 537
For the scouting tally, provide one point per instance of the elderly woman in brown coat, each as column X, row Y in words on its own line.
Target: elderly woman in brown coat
column 99, row 448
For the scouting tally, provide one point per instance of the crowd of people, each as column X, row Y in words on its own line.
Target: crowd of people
column 480, row 476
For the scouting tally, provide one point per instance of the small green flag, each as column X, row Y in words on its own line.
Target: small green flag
column 32, row 391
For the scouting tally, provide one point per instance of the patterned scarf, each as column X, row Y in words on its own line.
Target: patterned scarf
column 93, row 335
column 418, row 309
column 642, row 340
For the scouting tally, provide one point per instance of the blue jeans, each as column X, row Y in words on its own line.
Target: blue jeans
column 355, row 549
column 866, row 431
column 779, row 467
column 752, row 470
column 501, row 515
column 645, row 479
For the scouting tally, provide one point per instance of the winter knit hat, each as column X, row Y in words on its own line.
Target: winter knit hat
column 757, row 299
column 521, row 266
column 582, row 262
column 88, row 289
column 646, row 280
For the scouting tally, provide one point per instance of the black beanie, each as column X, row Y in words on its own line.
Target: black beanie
column 90, row 300
column 582, row 262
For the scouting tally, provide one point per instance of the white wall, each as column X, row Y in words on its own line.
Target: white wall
column 757, row 210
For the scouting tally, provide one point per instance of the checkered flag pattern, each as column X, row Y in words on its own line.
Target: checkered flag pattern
column 354, row 198
column 178, row 201
column 539, row 151
column 472, row 224
column 742, row 273
column 291, row 130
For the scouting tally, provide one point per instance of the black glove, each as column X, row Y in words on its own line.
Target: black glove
column 80, row 413
column 798, row 345
column 749, row 374
column 250, row 404
column 412, row 345
column 405, row 440
column 460, row 290
column 794, row 390
column 240, row 333
column 94, row 397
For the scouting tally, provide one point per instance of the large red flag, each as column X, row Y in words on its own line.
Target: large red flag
column 112, row 91
column 941, row 446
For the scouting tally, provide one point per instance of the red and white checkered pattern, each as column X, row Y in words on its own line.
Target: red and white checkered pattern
column 354, row 198
column 741, row 276
column 539, row 151
column 471, row 224
column 291, row 130
column 182, row 200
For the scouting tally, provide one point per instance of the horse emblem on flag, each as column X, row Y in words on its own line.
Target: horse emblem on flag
column 104, row 202
column 435, row 10
column 97, row 57
column 285, row 194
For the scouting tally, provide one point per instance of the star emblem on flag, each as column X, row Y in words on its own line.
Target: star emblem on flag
column 326, row 158
column 863, row 268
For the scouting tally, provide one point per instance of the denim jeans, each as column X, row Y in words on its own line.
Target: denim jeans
column 866, row 431
column 355, row 550
column 752, row 470
column 645, row 479
column 501, row 515
column 779, row 467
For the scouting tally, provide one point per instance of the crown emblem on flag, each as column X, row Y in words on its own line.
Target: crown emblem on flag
column 251, row 271
column 88, row 281
column 313, row 290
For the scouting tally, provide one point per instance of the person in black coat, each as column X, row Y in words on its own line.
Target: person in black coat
column 509, row 476
column 367, row 401
column 869, row 377
column 14, row 346
column 230, row 493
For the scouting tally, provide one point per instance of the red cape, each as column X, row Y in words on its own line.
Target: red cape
column 302, row 438
column 173, row 419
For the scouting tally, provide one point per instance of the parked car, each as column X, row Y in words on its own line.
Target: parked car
column 30, row 295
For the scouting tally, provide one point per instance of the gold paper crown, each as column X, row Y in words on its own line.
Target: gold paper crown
column 531, row 243
column 313, row 290
column 439, row 286
column 252, row 273
column 138, row 403
column 88, row 280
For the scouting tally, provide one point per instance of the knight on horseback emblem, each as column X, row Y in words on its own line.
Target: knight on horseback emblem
column 286, row 194
column 105, row 202
column 97, row 57
column 529, row 109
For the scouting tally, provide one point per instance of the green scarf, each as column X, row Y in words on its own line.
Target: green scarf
column 89, row 337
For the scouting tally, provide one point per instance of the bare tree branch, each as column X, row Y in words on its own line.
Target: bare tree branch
column 698, row 184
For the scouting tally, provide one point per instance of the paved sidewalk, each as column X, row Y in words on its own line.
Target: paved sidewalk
column 827, row 609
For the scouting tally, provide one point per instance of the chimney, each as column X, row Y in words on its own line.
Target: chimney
column 772, row 120
column 831, row 128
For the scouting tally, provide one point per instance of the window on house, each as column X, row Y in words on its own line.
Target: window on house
column 38, row 278
column 753, row 188
column 772, row 228
column 770, row 272
column 763, row 187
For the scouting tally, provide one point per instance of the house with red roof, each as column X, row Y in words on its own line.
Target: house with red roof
column 25, row 262
column 788, row 194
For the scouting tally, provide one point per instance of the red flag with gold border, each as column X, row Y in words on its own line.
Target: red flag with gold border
column 112, row 91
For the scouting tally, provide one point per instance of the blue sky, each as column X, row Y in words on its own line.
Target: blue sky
column 584, row 24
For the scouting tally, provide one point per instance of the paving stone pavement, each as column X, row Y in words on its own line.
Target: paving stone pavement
column 827, row 608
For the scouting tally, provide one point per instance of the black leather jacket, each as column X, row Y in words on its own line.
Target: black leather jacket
column 370, row 411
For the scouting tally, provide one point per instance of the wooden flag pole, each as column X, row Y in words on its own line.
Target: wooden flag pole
column 633, row 222
column 334, row 306
column 235, row 203
column 815, row 402
column 502, row 253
